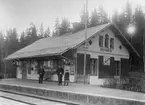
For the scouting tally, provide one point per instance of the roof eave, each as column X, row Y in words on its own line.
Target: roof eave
column 54, row 54
column 126, row 40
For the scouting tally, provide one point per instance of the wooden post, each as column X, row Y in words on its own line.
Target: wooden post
column 86, row 19
column 38, row 66
column 143, row 52
column 76, row 66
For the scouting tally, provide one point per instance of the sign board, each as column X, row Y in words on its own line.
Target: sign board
column 66, row 67
column 72, row 69
column 106, row 60
column 105, row 49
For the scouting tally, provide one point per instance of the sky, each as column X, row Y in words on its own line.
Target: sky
column 19, row 13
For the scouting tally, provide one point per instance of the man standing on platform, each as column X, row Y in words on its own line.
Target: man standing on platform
column 41, row 74
column 60, row 72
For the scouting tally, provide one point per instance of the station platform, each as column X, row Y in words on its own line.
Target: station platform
column 77, row 93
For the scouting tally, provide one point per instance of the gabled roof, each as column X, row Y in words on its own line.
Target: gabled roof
column 56, row 45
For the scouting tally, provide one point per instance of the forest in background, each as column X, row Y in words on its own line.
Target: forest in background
column 11, row 41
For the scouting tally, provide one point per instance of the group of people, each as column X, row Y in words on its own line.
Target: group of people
column 60, row 73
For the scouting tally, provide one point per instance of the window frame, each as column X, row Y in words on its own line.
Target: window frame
column 94, row 67
column 111, row 43
column 106, row 41
column 101, row 41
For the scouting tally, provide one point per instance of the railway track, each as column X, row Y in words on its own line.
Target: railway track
column 13, row 98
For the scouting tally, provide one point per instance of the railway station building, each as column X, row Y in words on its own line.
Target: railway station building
column 107, row 55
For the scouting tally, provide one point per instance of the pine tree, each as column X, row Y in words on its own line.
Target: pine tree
column 139, row 21
column 124, row 19
column 23, row 41
column 83, row 16
column 1, row 52
column 103, row 17
column 47, row 33
column 12, row 41
column 94, row 20
column 77, row 26
column 11, row 45
column 41, row 32
column 128, row 11
column 57, row 27
column 115, row 17
column 64, row 26
column 31, row 34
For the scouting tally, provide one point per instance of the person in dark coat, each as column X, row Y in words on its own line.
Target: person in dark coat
column 60, row 72
column 66, row 78
column 41, row 74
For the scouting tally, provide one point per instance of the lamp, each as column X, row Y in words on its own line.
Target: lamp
column 131, row 29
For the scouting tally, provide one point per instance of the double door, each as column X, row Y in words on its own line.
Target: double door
column 80, row 77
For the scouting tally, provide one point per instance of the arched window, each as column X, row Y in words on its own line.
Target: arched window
column 112, row 43
column 106, row 40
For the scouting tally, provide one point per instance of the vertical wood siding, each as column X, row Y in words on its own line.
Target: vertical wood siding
column 124, row 67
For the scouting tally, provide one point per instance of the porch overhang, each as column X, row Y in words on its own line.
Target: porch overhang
column 37, row 53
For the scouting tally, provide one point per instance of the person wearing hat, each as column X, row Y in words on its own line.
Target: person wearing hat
column 41, row 74
column 60, row 72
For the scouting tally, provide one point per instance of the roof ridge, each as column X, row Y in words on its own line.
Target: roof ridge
column 70, row 33
column 56, row 44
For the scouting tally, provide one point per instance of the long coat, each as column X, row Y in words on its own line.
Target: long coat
column 42, row 72
column 60, row 71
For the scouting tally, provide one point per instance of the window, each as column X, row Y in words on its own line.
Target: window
column 55, row 63
column 50, row 63
column 101, row 41
column 112, row 43
column 93, row 66
column 106, row 40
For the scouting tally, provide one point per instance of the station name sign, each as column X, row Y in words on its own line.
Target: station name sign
column 105, row 49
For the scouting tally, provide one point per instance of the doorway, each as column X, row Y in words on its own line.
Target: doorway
column 24, row 70
column 80, row 77
column 117, row 68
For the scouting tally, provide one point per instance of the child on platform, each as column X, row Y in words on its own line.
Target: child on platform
column 66, row 78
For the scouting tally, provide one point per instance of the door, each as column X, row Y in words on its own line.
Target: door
column 124, row 67
column 80, row 68
column 24, row 74
column 94, row 67
column 117, row 68
column 24, row 70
